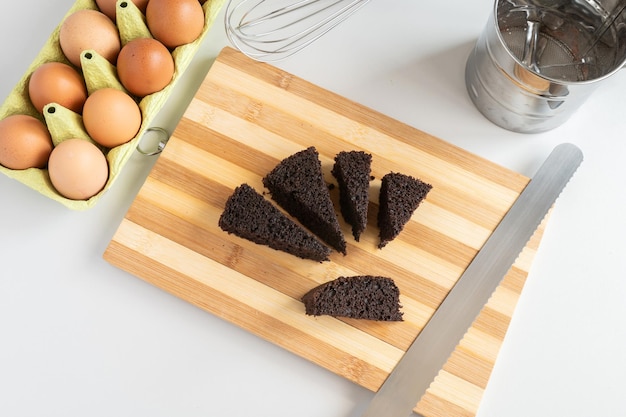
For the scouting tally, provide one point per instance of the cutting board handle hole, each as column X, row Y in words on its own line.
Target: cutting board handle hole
column 153, row 141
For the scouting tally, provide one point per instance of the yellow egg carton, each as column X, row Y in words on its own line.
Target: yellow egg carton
column 98, row 73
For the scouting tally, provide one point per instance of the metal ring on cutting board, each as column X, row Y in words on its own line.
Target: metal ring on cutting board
column 164, row 137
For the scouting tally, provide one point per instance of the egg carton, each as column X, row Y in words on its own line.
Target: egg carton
column 98, row 73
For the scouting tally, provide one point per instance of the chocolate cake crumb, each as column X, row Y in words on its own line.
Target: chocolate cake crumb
column 359, row 297
column 250, row 216
column 400, row 195
column 352, row 171
column 297, row 185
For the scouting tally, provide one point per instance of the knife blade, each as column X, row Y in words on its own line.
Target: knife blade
column 429, row 352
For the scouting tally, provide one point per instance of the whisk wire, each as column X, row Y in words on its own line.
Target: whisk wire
column 267, row 31
column 284, row 11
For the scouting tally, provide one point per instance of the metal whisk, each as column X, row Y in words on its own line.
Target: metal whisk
column 271, row 30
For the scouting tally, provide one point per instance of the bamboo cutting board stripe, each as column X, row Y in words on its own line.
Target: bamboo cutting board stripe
column 244, row 119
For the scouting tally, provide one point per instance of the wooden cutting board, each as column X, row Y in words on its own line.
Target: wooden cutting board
column 244, row 119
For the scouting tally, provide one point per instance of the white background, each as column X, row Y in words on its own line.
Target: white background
column 79, row 337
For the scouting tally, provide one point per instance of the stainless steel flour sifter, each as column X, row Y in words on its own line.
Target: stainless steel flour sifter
column 538, row 60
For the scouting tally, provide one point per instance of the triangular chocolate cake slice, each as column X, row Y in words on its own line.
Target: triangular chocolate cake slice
column 352, row 170
column 297, row 185
column 400, row 195
column 250, row 216
column 358, row 297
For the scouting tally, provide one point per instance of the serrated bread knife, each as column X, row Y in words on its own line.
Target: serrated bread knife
column 421, row 363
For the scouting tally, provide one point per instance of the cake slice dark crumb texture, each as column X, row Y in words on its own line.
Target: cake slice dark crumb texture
column 352, row 170
column 360, row 297
column 400, row 195
column 297, row 185
column 250, row 216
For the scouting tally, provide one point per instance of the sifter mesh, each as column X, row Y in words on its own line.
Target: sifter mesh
column 565, row 40
column 553, row 58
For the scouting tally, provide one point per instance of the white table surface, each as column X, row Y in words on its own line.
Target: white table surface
column 79, row 337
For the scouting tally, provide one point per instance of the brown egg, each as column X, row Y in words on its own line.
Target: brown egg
column 108, row 7
column 145, row 66
column 78, row 169
column 89, row 29
column 111, row 117
column 175, row 22
column 55, row 82
column 24, row 142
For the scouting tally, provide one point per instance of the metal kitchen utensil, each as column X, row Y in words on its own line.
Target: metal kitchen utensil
column 428, row 353
column 537, row 61
column 271, row 30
